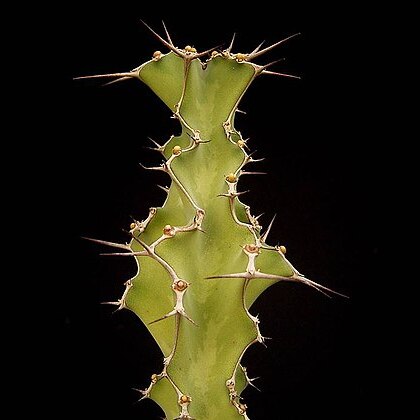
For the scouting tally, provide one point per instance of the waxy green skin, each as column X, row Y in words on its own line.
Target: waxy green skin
column 206, row 355
column 201, row 233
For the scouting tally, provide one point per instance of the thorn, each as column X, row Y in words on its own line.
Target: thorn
column 152, row 168
column 152, row 148
column 274, row 73
column 319, row 287
column 261, row 340
column 260, row 275
column 231, row 43
column 124, row 254
column 101, row 76
column 120, row 303
column 167, row 33
column 144, row 393
column 259, row 53
column 239, row 111
column 252, row 160
column 253, row 173
column 143, row 244
column 264, row 237
column 169, row 314
column 184, row 314
column 295, row 278
column 237, row 194
column 244, row 275
column 117, row 303
column 233, row 194
column 198, row 55
column 266, row 66
column 107, row 243
column 172, row 313
column 166, row 189
column 163, row 41
column 257, row 48
column 257, row 217
column 250, row 382
column 256, row 275
column 121, row 79
column 137, row 68
column 158, row 146
column 195, row 137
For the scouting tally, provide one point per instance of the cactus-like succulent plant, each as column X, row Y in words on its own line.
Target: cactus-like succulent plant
column 202, row 257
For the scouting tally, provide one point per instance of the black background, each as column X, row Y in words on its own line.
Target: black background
column 323, row 183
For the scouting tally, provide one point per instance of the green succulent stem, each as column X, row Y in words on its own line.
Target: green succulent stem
column 202, row 258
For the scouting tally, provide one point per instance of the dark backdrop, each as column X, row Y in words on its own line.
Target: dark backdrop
column 322, row 182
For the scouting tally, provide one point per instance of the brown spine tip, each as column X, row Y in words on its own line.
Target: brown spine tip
column 168, row 230
column 180, row 285
column 133, row 225
column 251, row 248
column 185, row 399
column 231, row 177
column 157, row 55
column 282, row 249
column 177, row 150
